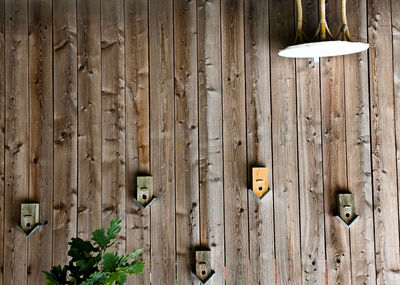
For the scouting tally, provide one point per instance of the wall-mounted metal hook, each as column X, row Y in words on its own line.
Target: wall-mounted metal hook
column 260, row 182
column 144, row 194
column 29, row 219
column 345, row 209
column 203, row 266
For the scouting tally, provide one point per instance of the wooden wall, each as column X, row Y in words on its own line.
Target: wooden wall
column 95, row 92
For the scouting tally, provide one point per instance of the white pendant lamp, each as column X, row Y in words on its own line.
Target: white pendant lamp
column 320, row 46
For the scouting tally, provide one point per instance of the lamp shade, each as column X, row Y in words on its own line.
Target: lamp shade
column 323, row 49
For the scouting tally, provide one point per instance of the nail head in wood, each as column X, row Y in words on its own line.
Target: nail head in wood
column 345, row 209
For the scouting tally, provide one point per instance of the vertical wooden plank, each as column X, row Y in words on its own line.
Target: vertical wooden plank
column 89, row 117
column 2, row 135
column 65, row 127
column 186, row 142
column 334, row 160
column 335, row 173
column 16, row 138
column 359, row 149
column 310, row 161
column 286, row 200
column 383, row 143
column 137, row 129
column 210, row 134
column 259, row 143
column 310, row 172
column 162, row 141
column 113, row 114
column 234, row 141
column 396, row 70
column 41, row 135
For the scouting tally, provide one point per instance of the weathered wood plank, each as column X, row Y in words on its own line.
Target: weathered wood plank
column 396, row 69
column 89, row 117
column 310, row 160
column 137, row 129
column 334, row 160
column 359, row 149
column 65, row 127
column 310, row 172
column 162, row 141
column 113, row 114
column 383, row 143
column 259, row 143
column 234, row 141
column 186, row 144
column 286, row 200
column 16, row 138
column 2, row 135
column 41, row 135
column 210, row 134
column 335, row 168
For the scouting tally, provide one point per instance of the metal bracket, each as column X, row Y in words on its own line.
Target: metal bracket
column 345, row 209
column 144, row 194
column 260, row 182
column 203, row 266
column 29, row 218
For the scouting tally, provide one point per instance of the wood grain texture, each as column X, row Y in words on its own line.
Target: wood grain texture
column 162, row 141
column 113, row 115
column 310, row 160
column 334, row 168
column 334, row 160
column 234, row 142
column 2, row 136
column 210, row 134
column 16, row 139
column 395, row 9
column 259, row 142
column 94, row 93
column 137, row 129
column 41, row 135
column 89, row 117
column 358, row 145
column 186, row 148
column 310, row 172
column 284, row 147
column 384, row 174
column 65, row 127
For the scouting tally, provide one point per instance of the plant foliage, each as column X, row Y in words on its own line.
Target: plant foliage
column 90, row 264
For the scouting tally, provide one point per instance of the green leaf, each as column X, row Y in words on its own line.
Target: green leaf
column 135, row 267
column 102, row 237
column 114, row 228
column 80, row 249
column 130, row 256
column 56, row 276
column 99, row 238
column 96, row 278
column 122, row 279
column 114, row 277
column 110, row 262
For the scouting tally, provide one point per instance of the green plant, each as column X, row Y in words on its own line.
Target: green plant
column 90, row 264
